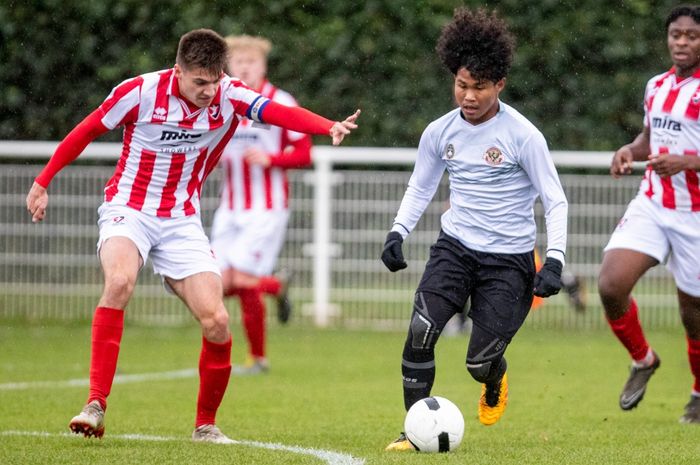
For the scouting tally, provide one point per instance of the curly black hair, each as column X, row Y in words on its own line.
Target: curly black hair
column 479, row 41
column 683, row 10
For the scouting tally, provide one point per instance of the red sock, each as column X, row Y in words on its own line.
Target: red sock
column 629, row 331
column 270, row 285
column 214, row 373
column 694, row 358
column 107, row 328
column 253, row 316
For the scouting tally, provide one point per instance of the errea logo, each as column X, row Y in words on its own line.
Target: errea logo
column 160, row 114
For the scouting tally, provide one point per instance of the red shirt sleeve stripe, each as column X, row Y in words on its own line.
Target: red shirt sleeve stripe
column 295, row 119
column 72, row 145
column 119, row 92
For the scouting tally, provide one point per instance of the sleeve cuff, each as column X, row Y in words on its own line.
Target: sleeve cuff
column 558, row 255
column 399, row 228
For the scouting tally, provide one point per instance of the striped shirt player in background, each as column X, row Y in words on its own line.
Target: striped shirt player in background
column 498, row 164
column 663, row 221
column 250, row 224
column 176, row 123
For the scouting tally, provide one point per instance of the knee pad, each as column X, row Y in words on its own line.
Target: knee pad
column 423, row 329
column 485, row 360
column 487, row 372
column 479, row 371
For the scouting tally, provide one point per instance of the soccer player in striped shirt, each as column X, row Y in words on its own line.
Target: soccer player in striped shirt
column 176, row 123
column 662, row 223
column 498, row 164
column 250, row 224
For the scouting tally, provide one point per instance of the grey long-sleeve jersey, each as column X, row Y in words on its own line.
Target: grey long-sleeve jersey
column 497, row 169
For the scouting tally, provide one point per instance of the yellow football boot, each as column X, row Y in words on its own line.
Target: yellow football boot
column 493, row 402
column 400, row 444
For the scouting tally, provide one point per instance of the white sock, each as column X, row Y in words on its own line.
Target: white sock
column 646, row 361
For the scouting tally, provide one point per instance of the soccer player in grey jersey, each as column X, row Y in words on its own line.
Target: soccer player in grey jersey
column 498, row 164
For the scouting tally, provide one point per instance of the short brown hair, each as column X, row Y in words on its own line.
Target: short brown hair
column 202, row 48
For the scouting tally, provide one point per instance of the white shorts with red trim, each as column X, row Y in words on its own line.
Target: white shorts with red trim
column 177, row 247
column 249, row 240
column 667, row 235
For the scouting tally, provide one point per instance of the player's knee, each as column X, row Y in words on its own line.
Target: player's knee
column 220, row 319
column 422, row 334
column 119, row 287
column 614, row 285
column 215, row 324
column 615, row 300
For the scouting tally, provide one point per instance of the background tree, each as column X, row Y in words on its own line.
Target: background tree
column 579, row 70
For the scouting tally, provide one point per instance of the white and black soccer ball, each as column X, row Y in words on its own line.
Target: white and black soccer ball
column 434, row 424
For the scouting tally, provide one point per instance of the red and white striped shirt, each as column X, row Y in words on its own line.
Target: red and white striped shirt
column 254, row 187
column 170, row 145
column 672, row 107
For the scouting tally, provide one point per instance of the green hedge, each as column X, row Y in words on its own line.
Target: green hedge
column 579, row 72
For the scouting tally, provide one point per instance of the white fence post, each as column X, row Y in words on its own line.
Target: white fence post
column 323, row 167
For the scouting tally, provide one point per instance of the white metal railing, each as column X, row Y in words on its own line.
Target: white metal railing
column 352, row 195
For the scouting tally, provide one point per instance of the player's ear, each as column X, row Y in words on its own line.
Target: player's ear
column 500, row 85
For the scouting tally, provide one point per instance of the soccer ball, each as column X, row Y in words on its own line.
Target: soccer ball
column 434, row 424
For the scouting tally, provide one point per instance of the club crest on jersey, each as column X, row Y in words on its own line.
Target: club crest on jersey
column 696, row 97
column 160, row 114
column 214, row 111
column 450, row 151
column 493, row 156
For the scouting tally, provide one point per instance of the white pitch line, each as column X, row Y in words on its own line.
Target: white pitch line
column 118, row 379
column 329, row 457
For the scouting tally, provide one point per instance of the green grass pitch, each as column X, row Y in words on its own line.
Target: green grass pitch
column 339, row 392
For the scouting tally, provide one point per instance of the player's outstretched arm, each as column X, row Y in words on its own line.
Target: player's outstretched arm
column 342, row 128
column 67, row 151
column 300, row 119
column 37, row 200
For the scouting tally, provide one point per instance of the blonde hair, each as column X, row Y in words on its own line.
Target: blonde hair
column 247, row 42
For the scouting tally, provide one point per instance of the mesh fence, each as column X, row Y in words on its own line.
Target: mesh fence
column 50, row 270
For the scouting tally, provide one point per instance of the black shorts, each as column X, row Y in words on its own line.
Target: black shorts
column 499, row 285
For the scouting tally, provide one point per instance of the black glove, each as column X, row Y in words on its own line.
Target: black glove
column 392, row 255
column 548, row 279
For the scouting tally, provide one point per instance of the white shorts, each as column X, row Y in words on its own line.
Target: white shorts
column 249, row 241
column 178, row 247
column 663, row 234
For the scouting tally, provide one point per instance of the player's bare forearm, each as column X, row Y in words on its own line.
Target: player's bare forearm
column 37, row 201
column 640, row 146
column 637, row 150
column 665, row 164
